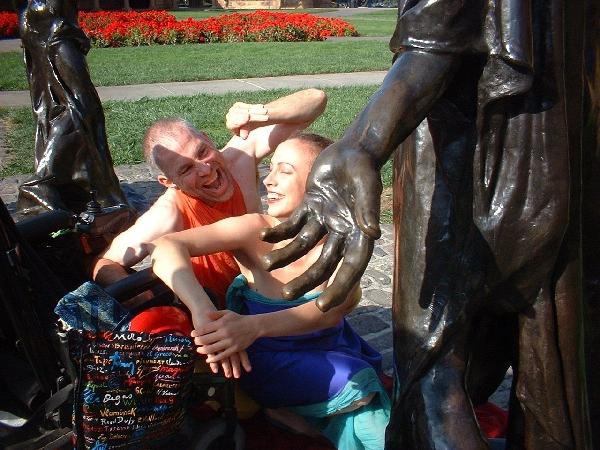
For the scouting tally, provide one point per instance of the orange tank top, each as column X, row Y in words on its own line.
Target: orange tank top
column 214, row 272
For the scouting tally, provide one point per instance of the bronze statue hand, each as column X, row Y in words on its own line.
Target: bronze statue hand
column 342, row 201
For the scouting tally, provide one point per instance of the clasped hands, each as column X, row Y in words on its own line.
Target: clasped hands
column 244, row 117
column 223, row 338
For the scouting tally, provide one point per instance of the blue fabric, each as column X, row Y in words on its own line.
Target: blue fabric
column 90, row 308
column 361, row 429
column 315, row 374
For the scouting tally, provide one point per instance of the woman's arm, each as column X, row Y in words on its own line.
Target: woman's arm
column 230, row 332
column 171, row 262
column 259, row 129
column 171, row 255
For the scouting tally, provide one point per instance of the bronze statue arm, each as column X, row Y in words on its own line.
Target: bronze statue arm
column 343, row 191
column 409, row 90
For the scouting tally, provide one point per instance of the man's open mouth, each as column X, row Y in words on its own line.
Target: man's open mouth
column 214, row 183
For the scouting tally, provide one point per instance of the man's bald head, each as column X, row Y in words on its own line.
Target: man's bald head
column 159, row 138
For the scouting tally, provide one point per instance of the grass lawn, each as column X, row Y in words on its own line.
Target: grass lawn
column 194, row 62
column 377, row 23
column 127, row 121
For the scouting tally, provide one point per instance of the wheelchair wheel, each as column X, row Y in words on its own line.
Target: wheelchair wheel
column 212, row 435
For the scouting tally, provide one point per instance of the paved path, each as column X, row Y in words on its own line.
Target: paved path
column 10, row 45
column 138, row 91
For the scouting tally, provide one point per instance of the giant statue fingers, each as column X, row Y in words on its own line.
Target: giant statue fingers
column 307, row 238
column 320, row 271
column 357, row 253
column 287, row 229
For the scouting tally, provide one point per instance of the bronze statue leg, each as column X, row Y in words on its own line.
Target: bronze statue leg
column 433, row 411
column 436, row 287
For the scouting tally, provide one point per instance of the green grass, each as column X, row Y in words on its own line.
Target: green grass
column 127, row 121
column 377, row 23
column 136, row 65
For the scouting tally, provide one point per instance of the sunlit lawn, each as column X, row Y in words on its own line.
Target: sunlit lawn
column 127, row 121
column 376, row 23
column 194, row 62
column 202, row 14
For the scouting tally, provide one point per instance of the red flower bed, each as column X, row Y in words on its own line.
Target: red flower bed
column 9, row 27
column 116, row 29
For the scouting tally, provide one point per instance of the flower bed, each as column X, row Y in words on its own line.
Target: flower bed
column 9, row 27
column 118, row 29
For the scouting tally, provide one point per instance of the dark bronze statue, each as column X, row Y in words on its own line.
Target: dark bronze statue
column 71, row 152
column 591, row 212
column 482, row 111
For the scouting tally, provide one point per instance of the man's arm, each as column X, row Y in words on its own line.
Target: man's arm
column 259, row 129
column 127, row 249
column 344, row 187
column 264, row 128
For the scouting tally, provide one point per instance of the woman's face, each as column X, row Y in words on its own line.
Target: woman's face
column 286, row 181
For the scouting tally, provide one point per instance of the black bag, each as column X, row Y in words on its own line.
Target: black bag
column 132, row 388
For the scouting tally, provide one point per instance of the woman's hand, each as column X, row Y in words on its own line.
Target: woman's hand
column 223, row 337
column 232, row 366
column 227, row 333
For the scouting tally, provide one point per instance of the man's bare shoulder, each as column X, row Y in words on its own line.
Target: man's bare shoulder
column 163, row 215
